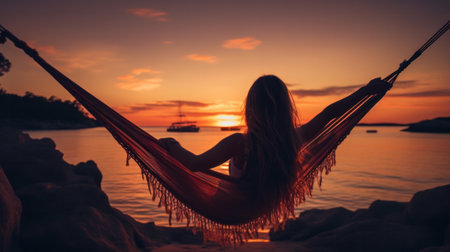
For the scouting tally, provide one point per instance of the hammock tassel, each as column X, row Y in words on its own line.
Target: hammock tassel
column 128, row 159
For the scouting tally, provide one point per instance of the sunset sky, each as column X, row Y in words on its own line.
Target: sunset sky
column 144, row 57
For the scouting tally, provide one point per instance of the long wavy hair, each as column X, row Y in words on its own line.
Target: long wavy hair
column 273, row 143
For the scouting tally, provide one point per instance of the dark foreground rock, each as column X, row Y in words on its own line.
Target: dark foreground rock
column 422, row 223
column 10, row 211
column 430, row 207
column 63, row 206
column 437, row 125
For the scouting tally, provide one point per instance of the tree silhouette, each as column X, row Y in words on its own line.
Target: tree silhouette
column 5, row 65
column 32, row 111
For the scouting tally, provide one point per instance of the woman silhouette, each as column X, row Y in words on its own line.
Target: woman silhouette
column 267, row 153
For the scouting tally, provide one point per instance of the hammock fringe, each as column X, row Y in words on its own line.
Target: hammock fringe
column 233, row 235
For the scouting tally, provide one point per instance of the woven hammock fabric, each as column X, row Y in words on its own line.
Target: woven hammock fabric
column 221, row 207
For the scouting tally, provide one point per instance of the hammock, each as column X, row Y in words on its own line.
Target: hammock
column 219, row 206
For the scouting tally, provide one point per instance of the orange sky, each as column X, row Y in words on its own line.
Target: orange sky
column 144, row 57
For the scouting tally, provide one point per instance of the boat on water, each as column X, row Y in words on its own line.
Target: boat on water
column 230, row 128
column 183, row 126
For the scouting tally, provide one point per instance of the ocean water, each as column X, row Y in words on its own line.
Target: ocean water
column 388, row 165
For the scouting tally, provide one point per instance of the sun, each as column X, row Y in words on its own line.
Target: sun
column 227, row 120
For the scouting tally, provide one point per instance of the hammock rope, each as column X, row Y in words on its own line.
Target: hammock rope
column 393, row 76
column 218, row 205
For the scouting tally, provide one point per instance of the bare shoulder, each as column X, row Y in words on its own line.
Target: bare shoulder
column 236, row 139
column 234, row 143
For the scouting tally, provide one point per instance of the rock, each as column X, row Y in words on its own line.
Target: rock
column 437, row 125
column 10, row 211
column 10, row 135
column 430, row 207
column 391, row 210
column 43, row 163
column 447, row 235
column 89, row 169
column 41, row 201
column 381, row 227
column 84, row 228
column 361, row 214
column 88, row 226
column 310, row 223
column 373, row 235
column 167, row 235
column 445, row 248
column 64, row 208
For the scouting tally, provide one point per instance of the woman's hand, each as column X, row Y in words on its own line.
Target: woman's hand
column 378, row 86
column 167, row 143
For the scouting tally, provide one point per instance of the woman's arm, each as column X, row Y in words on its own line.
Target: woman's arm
column 310, row 129
column 221, row 152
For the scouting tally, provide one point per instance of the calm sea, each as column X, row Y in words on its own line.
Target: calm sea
column 389, row 165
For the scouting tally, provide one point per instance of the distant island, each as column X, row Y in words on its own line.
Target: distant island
column 33, row 112
column 436, row 125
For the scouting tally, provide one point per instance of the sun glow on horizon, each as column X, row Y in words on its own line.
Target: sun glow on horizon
column 227, row 120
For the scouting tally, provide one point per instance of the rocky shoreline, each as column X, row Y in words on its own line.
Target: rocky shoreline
column 47, row 204
column 51, row 205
